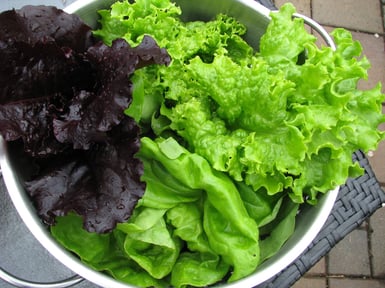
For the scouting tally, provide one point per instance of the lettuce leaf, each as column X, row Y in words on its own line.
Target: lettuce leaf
column 216, row 241
column 264, row 118
column 220, row 192
column 62, row 96
column 102, row 252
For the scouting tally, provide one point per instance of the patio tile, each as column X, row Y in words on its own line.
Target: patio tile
column 377, row 225
column 353, row 14
column 310, row 282
column 355, row 283
column 350, row 256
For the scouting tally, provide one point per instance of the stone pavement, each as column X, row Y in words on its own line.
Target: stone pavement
column 358, row 261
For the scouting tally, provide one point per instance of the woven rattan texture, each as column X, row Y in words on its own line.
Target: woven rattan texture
column 357, row 200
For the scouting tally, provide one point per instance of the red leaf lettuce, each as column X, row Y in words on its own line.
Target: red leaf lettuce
column 63, row 95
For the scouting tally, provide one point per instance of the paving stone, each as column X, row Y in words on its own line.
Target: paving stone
column 310, row 282
column 377, row 224
column 383, row 13
column 364, row 225
column 351, row 255
column 353, row 14
column 355, row 283
column 303, row 6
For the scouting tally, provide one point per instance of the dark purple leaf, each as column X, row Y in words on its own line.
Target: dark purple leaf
column 32, row 24
column 30, row 121
column 90, row 116
column 102, row 184
column 64, row 97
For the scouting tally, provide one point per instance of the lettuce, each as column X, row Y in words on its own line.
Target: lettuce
column 62, row 97
column 193, row 241
column 233, row 142
column 264, row 118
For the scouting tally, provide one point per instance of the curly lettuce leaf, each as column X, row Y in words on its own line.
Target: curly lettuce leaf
column 267, row 119
column 161, row 20
column 285, row 39
column 158, row 18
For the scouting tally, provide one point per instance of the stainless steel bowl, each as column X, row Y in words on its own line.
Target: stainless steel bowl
column 310, row 220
